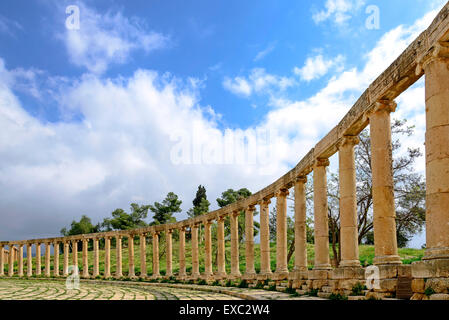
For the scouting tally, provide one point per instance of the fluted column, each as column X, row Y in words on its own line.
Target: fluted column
column 221, row 266
column 118, row 256
column 384, row 214
column 29, row 260
column 195, row 258
column 156, row 272
column 182, row 252
column 107, row 257
column 208, row 249
column 65, row 267
column 235, row 271
column 38, row 259
column 2, row 262
column 321, row 223
column 249, row 241
column 96, row 269
column 75, row 253
column 11, row 261
column 143, row 256
column 20, row 261
column 348, row 203
column 281, row 233
column 436, row 69
column 265, row 264
column 300, row 225
column 131, row 267
column 169, row 260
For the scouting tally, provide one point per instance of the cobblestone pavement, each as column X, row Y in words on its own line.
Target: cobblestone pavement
column 12, row 289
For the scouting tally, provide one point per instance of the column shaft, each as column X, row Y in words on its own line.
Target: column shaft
column 384, row 223
column 65, row 268
column 321, row 215
column 2, row 262
column 437, row 154
column 281, row 232
column 107, row 257
column 249, row 241
column 208, row 249
column 265, row 264
column 168, row 240
column 348, row 203
column 56, row 259
column 221, row 267
column 11, row 261
column 38, row 259
column 156, row 272
column 20, row 261
column 300, row 225
column 182, row 252
column 235, row 271
column 75, row 254
column 96, row 269
column 195, row 260
column 29, row 260
column 131, row 271
column 143, row 256
column 118, row 256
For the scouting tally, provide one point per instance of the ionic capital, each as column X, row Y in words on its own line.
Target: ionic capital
column 321, row 162
column 384, row 105
column 282, row 193
column 265, row 201
column 348, row 141
column 251, row 207
column 301, row 179
column 438, row 52
column 221, row 218
column 235, row 213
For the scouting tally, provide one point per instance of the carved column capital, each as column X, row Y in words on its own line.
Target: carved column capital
column 439, row 52
column 321, row 162
column 235, row 213
column 282, row 193
column 251, row 207
column 302, row 179
column 348, row 141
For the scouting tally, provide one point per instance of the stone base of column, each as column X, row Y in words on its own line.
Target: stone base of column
column 207, row 277
column 280, row 275
column 349, row 263
column 436, row 253
column 249, row 276
column 342, row 273
column 220, row 276
column 118, row 276
column 155, row 276
column 235, row 276
column 298, row 274
column 430, row 276
column 387, row 260
column 264, row 276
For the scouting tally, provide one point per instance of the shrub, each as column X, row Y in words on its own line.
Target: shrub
column 259, row 285
column 243, row 284
column 272, row 288
column 429, row 291
column 229, row 283
column 201, row 282
column 216, row 283
column 312, row 292
column 337, row 296
column 357, row 289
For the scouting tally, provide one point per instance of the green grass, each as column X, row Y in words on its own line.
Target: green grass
column 366, row 254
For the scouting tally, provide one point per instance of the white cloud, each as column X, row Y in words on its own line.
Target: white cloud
column 108, row 38
column 9, row 26
column 317, row 66
column 258, row 81
column 262, row 54
column 339, row 11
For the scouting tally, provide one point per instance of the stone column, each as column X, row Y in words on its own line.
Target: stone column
column 47, row 259
column 96, row 269
column 29, row 260
column 221, row 266
column 20, row 261
column 107, row 257
column 265, row 263
column 300, row 225
column 65, row 267
column 2, row 262
column 182, row 252
column 384, row 223
column 11, row 261
column 75, row 253
column 168, row 240
column 38, row 259
column 143, row 256
column 85, row 258
column 348, row 203
column 195, row 260
column 56, row 259
column 281, row 234
column 235, row 271
column 118, row 256
column 131, row 271
column 249, row 242
column 208, row 249
column 156, row 273
column 436, row 69
column 321, row 215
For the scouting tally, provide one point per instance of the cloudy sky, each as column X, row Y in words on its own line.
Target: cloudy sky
column 146, row 97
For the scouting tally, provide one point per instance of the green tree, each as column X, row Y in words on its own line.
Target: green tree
column 163, row 212
column 84, row 226
column 123, row 221
column 200, row 203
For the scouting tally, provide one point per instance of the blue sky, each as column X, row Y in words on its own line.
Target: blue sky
column 91, row 116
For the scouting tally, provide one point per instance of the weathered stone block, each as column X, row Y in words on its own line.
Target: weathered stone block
column 417, row 296
column 353, row 298
column 338, row 273
column 324, row 295
column 387, row 285
column 418, row 285
column 318, row 284
column 355, row 273
column 405, row 271
column 301, row 292
column 347, row 284
column 439, row 285
column 327, row 289
column 439, row 296
column 388, row 272
column 442, row 267
column 318, row 274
